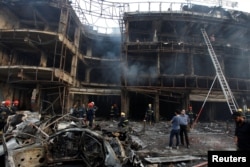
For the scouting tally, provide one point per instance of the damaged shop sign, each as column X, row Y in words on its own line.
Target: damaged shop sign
column 60, row 141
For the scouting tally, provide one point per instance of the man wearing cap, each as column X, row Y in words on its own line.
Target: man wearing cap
column 242, row 132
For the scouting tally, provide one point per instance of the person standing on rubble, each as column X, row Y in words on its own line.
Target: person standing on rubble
column 15, row 105
column 242, row 132
column 95, row 108
column 175, row 130
column 184, row 120
column 3, row 115
column 74, row 111
column 82, row 113
column 5, row 111
column 9, row 107
column 191, row 116
column 114, row 112
column 123, row 121
column 149, row 115
column 90, row 114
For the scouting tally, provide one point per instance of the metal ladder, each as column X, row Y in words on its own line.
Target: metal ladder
column 232, row 104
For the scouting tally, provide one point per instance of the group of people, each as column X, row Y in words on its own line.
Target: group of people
column 181, row 123
column 116, row 115
column 179, row 130
column 7, row 108
column 86, row 113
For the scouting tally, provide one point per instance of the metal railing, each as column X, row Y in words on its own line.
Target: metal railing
column 106, row 16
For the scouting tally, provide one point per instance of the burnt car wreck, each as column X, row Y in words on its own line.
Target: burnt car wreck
column 60, row 140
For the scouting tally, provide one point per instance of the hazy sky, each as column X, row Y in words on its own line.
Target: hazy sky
column 244, row 5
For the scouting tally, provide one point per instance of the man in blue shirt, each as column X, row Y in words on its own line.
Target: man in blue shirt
column 184, row 120
column 175, row 130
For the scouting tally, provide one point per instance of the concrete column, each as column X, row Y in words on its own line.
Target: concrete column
column 157, row 108
column 89, row 50
column 75, row 57
column 188, row 101
column 63, row 21
column 87, row 76
column 191, row 64
column 158, row 64
column 127, row 31
column 185, row 102
column 73, row 71
column 70, row 101
column 125, row 102
column 77, row 37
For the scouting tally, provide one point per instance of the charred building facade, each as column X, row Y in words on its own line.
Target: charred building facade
column 51, row 60
column 168, row 60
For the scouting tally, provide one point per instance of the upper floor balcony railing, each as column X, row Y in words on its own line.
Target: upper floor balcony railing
column 107, row 16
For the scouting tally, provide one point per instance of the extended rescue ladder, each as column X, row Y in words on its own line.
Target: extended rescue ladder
column 232, row 104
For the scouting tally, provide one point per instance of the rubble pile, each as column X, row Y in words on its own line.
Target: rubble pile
column 65, row 140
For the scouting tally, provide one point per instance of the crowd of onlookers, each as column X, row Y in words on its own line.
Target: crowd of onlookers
column 87, row 114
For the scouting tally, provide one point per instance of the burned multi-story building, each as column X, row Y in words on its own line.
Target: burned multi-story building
column 51, row 59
